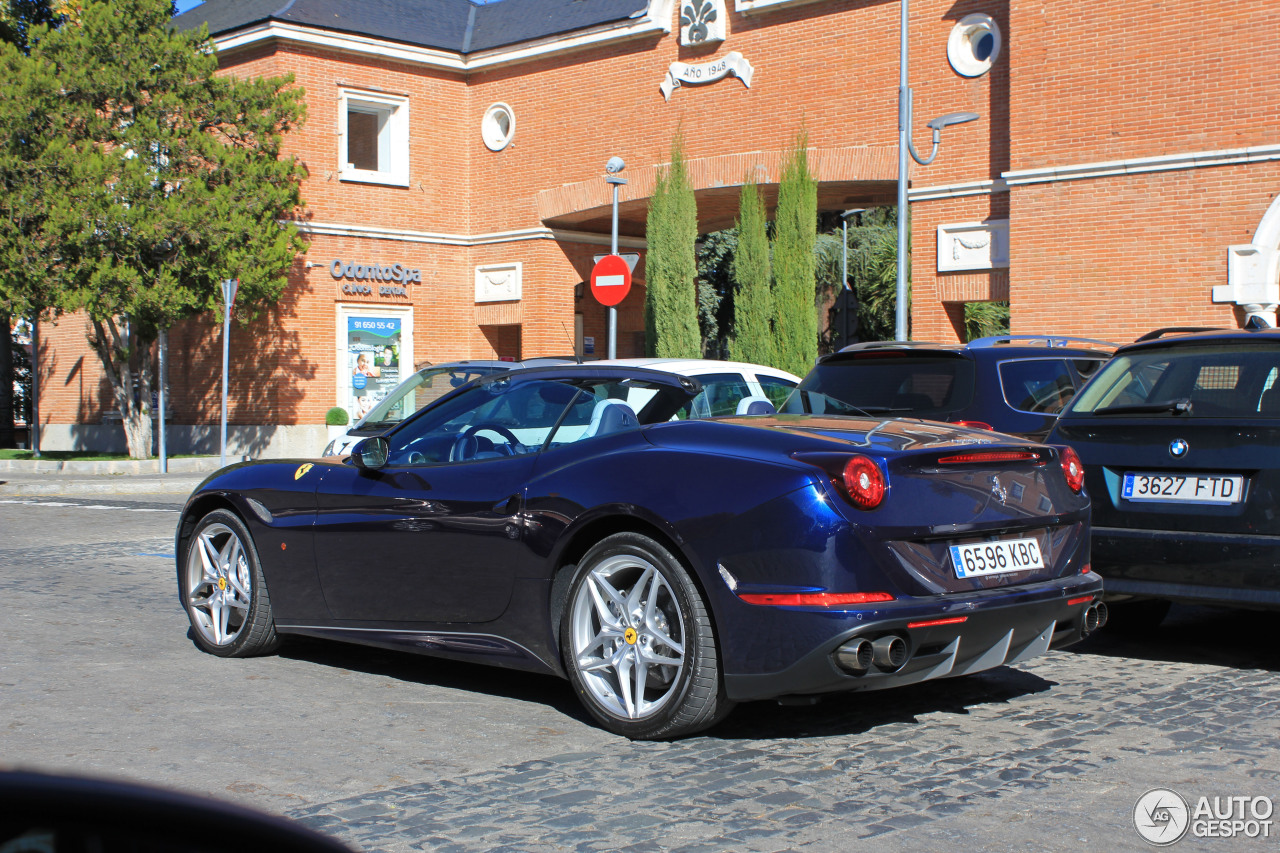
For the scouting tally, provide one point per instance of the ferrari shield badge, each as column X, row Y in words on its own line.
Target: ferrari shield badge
column 302, row 469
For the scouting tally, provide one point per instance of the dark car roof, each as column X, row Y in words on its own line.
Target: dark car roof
column 996, row 346
column 1182, row 337
column 455, row 25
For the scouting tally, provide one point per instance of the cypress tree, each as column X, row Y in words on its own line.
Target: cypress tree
column 795, row 322
column 753, row 300
column 671, row 301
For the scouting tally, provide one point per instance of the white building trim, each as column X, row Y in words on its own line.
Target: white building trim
column 957, row 190
column 403, row 235
column 1141, row 165
column 749, row 7
column 1107, row 169
column 656, row 21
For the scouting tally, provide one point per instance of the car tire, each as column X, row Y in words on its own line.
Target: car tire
column 1134, row 618
column 224, row 591
column 638, row 643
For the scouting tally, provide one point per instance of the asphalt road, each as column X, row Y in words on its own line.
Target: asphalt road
column 393, row 752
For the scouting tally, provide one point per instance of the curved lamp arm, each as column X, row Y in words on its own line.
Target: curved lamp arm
column 936, row 125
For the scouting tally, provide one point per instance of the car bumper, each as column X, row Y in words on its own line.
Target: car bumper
column 1220, row 568
column 999, row 627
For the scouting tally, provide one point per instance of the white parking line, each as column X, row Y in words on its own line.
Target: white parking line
column 87, row 506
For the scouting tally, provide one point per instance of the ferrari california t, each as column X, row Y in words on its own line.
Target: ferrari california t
column 575, row 521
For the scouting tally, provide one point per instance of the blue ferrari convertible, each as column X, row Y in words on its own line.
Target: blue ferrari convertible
column 577, row 521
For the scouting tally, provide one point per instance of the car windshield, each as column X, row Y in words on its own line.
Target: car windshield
column 1219, row 381
column 425, row 386
column 505, row 417
column 892, row 384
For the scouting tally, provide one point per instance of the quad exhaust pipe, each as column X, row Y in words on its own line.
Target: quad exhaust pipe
column 856, row 655
column 1095, row 616
column 888, row 653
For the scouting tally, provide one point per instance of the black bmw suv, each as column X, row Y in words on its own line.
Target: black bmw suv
column 1180, row 438
column 1011, row 383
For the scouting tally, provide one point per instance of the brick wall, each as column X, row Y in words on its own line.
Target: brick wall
column 1075, row 83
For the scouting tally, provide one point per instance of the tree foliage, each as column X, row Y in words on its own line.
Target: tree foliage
column 671, row 307
column 753, row 314
column 715, row 252
column 795, row 322
column 134, row 179
column 985, row 319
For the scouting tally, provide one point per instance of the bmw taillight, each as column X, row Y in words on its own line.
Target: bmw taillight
column 864, row 482
column 1073, row 468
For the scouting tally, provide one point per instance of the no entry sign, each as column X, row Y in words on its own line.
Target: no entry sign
column 611, row 280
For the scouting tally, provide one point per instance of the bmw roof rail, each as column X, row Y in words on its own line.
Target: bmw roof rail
column 1178, row 330
column 1040, row 340
column 863, row 345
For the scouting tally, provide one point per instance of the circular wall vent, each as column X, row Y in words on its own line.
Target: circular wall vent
column 974, row 45
column 498, row 127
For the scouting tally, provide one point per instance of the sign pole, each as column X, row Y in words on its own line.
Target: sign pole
column 164, row 376
column 613, row 250
column 229, row 297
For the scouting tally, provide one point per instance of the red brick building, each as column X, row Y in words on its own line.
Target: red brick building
column 1122, row 175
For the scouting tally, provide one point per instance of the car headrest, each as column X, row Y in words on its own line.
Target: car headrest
column 611, row 416
column 756, row 405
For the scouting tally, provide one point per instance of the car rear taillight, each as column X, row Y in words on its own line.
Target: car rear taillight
column 975, row 425
column 814, row 599
column 864, row 482
column 1073, row 468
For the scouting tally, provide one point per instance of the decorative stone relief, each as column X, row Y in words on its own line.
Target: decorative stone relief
column 702, row 21
column 499, row 282
column 684, row 73
column 973, row 246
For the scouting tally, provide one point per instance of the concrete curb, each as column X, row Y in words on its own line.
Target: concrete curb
column 56, row 478
column 45, row 486
column 184, row 465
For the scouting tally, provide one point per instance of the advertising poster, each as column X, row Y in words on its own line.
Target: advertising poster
column 373, row 362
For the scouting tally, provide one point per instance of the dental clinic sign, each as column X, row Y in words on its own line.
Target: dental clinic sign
column 362, row 279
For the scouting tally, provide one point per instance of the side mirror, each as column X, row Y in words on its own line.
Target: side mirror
column 370, row 454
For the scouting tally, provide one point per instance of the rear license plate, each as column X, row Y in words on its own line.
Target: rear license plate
column 993, row 558
column 1183, row 488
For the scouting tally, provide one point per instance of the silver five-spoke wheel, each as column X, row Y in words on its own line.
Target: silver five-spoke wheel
column 218, row 577
column 223, row 589
column 638, row 643
column 628, row 636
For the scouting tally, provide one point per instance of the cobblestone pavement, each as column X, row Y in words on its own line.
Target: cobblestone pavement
column 393, row 752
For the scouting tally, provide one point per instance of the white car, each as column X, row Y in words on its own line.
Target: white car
column 728, row 387
column 426, row 385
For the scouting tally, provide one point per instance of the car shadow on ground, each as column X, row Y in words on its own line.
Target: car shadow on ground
column 439, row 672
column 833, row 715
column 842, row 714
column 1216, row 636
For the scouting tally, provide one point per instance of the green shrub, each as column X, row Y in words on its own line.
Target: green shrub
column 337, row 416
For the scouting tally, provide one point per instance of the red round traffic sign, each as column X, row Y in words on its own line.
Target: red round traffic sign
column 611, row 279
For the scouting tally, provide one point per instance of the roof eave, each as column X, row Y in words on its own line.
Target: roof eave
column 656, row 21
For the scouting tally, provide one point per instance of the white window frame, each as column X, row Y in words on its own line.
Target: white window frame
column 396, row 129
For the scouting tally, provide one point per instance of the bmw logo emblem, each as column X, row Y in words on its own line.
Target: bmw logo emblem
column 1178, row 448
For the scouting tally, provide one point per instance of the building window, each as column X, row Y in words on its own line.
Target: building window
column 373, row 138
column 974, row 45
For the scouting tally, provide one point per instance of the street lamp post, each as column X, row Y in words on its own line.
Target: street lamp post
column 905, row 147
column 613, row 167
column 229, row 297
